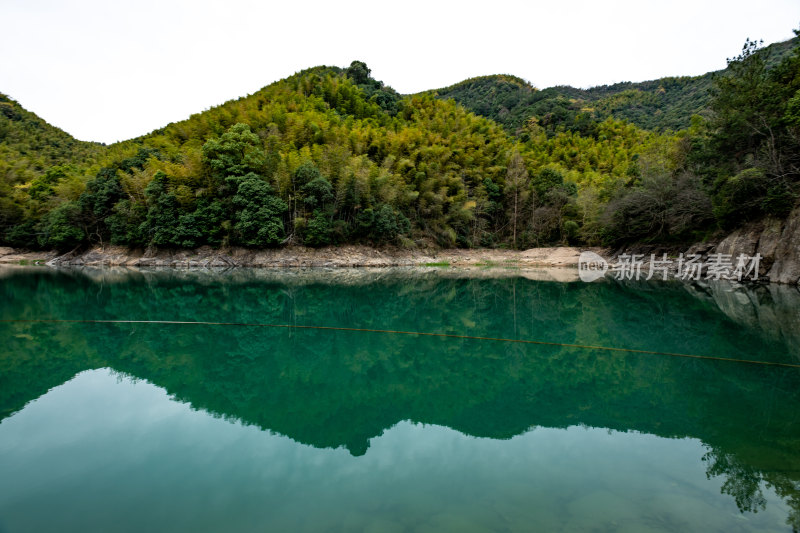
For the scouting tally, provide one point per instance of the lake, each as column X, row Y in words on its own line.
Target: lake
column 307, row 401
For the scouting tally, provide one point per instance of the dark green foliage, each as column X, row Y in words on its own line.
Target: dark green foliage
column 259, row 212
column 752, row 148
column 382, row 224
column 101, row 194
column 740, row 198
column 60, row 228
column 780, row 198
column 386, row 226
column 127, row 223
column 571, row 229
column 202, row 226
column 662, row 104
column 162, row 213
column 358, row 72
column 751, row 194
column 166, row 222
column 97, row 203
column 546, row 180
column 318, row 193
column 139, row 160
column 305, row 173
column 318, row 231
column 493, row 191
column 24, row 235
column 375, row 91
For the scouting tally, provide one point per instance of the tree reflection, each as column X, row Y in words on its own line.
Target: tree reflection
column 342, row 388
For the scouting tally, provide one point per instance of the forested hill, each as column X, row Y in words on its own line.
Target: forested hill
column 325, row 156
column 330, row 155
column 27, row 137
column 664, row 104
column 30, row 148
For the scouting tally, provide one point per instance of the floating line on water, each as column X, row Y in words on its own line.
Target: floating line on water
column 400, row 332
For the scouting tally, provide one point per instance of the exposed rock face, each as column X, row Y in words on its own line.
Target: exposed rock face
column 786, row 268
column 777, row 241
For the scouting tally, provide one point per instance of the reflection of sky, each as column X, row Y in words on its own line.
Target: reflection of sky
column 103, row 452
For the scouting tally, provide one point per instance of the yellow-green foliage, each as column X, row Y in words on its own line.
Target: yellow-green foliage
column 437, row 172
column 609, row 159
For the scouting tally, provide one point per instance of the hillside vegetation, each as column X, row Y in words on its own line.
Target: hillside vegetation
column 331, row 156
column 32, row 152
column 664, row 104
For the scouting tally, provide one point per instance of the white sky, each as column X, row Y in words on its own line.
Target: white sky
column 109, row 70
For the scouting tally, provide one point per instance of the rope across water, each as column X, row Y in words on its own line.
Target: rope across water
column 400, row 332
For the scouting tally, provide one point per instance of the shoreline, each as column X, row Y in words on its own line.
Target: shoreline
column 774, row 268
column 347, row 256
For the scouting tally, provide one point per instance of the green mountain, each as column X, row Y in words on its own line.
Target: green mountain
column 29, row 146
column 25, row 136
column 325, row 156
column 331, row 155
column 663, row 104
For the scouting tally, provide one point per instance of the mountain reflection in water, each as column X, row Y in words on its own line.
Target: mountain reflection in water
column 343, row 389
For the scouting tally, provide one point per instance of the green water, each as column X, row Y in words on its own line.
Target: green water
column 166, row 427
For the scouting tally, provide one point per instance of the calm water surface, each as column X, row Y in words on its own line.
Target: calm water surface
column 167, row 427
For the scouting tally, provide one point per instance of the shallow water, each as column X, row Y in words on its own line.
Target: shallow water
column 182, row 427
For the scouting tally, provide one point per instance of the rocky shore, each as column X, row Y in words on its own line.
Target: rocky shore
column 302, row 257
column 777, row 241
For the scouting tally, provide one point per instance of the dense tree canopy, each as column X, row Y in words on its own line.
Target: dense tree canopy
column 659, row 105
column 331, row 156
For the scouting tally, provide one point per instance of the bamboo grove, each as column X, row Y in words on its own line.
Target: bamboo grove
column 331, row 156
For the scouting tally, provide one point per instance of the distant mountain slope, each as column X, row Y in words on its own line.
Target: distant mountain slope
column 40, row 144
column 664, row 104
column 29, row 146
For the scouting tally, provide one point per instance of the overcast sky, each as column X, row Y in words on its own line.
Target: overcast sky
column 109, row 70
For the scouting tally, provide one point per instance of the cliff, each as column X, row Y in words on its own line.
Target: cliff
column 778, row 242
